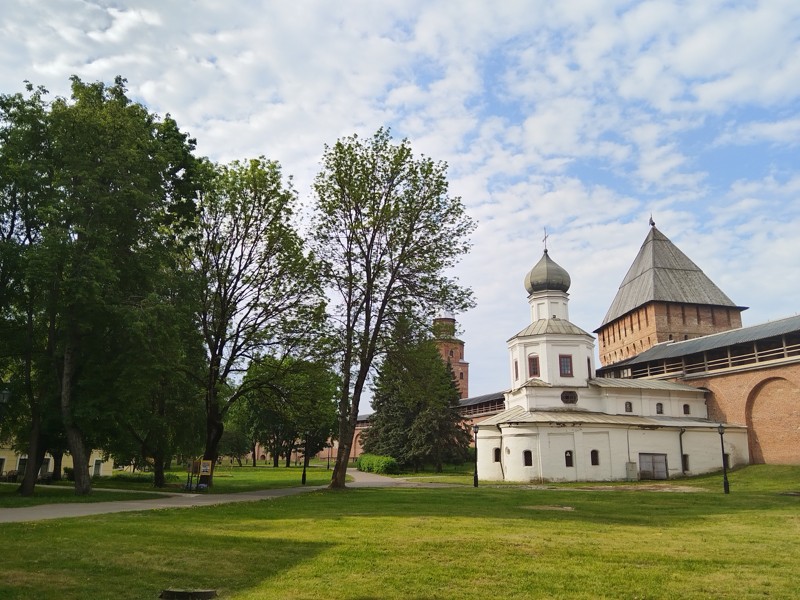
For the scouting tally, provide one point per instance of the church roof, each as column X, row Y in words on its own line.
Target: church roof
column 642, row 384
column 546, row 275
column 662, row 273
column 518, row 414
column 551, row 326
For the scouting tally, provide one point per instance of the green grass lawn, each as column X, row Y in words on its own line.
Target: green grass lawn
column 53, row 494
column 455, row 542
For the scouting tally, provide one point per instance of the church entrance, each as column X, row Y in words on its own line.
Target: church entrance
column 653, row 466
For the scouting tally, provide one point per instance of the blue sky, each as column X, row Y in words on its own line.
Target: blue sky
column 583, row 117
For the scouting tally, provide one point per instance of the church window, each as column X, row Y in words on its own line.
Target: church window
column 461, row 376
column 533, row 366
column 497, row 455
column 589, row 368
column 659, row 408
column 687, row 410
column 685, row 462
column 516, row 370
column 685, row 337
column 595, row 457
column 451, row 354
column 629, row 407
column 527, row 458
column 565, row 365
column 568, row 458
column 670, row 337
column 569, row 397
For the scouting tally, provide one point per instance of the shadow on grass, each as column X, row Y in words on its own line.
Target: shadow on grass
column 139, row 554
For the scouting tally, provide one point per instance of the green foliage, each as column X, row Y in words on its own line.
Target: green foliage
column 415, row 399
column 373, row 463
column 387, row 234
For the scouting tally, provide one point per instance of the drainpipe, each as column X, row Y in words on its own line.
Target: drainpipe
column 680, row 441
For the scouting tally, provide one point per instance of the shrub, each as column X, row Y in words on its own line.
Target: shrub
column 372, row 463
column 69, row 473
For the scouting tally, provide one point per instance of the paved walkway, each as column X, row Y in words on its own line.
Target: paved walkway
column 182, row 500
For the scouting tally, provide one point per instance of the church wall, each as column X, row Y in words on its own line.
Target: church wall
column 767, row 400
column 615, row 447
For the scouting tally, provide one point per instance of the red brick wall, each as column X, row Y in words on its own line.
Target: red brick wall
column 655, row 322
column 456, row 360
column 767, row 400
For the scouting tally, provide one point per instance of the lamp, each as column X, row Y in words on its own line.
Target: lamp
column 725, row 485
column 475, row 476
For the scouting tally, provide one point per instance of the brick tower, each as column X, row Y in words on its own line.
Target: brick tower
column 452, row 349
column 664, row 297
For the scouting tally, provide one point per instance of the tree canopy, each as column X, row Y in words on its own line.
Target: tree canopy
column 387, row 234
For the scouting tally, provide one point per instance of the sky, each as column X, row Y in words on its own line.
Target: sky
column 583, row 117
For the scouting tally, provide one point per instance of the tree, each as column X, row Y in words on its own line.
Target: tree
column 259, row 291
column 291, row 403
column 416, row 418
column 387, row 233
column 107, row 191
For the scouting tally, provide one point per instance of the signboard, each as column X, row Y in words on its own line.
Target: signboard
column 205, row 468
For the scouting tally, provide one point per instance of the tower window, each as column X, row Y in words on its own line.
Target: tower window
column 516, row 370
column 629, row 407
column 687, row 410
column 659, row 408
column 533, row 366
column 565, row 365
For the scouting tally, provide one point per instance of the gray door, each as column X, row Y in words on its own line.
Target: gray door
column 652, row 466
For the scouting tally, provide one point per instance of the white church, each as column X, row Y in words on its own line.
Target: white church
column 561, row 423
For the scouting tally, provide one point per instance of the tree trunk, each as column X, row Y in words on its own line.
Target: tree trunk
column 158, row 470
column 58, row 456
column 214, row 429
column 347, row 430
column 77, row 446
column 255, row 446
column 34, row 462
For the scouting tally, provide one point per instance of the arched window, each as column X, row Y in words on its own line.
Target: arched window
column 659, row 408
column 687, row 410
column 527, row 458
column 595, row 457
column 497, row 455
column 533, row 365
column 461, row 376
column 451, row 354
column 516, row 371
column 629, row 407
column 568, row 458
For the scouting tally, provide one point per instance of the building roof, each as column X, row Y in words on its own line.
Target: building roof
column 546, row 275
column 552, row 326
column 724, row 339
column 662, row 273
column 518, row 414
column 481, row 399
column 642, row 384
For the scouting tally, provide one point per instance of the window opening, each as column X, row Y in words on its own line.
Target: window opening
column 595, row 457
column 629, row 407
column 568, row 458
column 527, row 458
column 533, row 365
column 687, row 410
column 497, row 455
column 659, row 408
column 565, row 365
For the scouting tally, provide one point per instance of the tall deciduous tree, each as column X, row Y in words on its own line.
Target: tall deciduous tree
column 388, row 233
column 260, row 291
column 113, row 190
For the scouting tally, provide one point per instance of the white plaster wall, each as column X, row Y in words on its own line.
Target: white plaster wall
column 516, row 440
column 487, row 440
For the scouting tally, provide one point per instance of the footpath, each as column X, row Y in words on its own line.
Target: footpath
column 185, row 500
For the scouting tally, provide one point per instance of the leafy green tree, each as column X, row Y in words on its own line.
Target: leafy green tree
column 388, row 234
column 107, row 192
column 259, row 290
column 293, row 405
column 416, row 418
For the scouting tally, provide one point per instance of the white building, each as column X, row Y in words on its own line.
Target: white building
column 563, row 424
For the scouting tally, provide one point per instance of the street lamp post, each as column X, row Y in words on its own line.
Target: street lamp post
column 475, row 476
column 725, row 485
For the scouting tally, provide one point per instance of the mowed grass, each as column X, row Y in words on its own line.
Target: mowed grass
column 454, row 542
column 53, row 494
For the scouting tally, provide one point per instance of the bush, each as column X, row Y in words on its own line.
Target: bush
column 372, row 463
column 69, row 473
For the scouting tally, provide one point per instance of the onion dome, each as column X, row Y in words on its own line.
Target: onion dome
column 546, row 275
